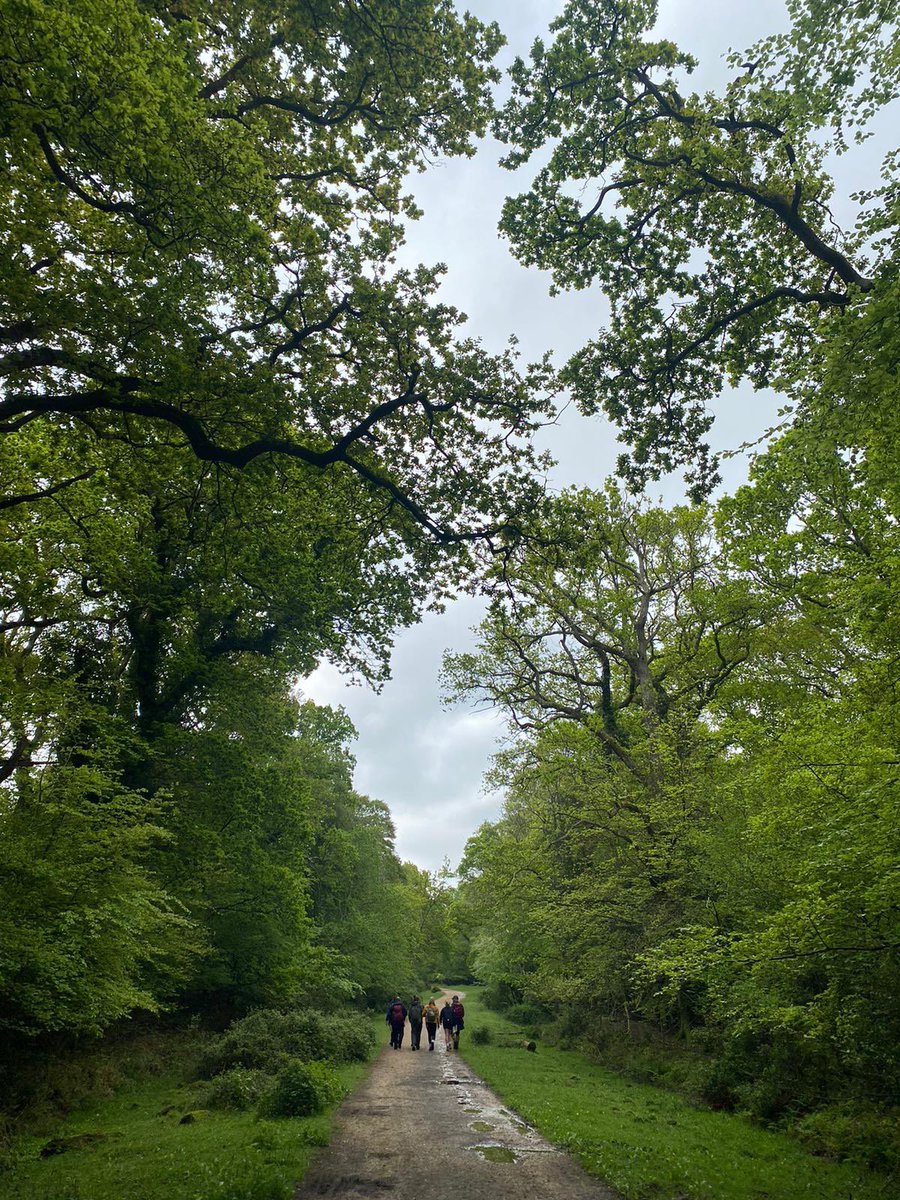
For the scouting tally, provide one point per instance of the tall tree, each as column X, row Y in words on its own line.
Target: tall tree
column 200, row 215
column 703, row 218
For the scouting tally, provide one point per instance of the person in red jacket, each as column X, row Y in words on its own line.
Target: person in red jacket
column 458, row 1013
column 396, row 1018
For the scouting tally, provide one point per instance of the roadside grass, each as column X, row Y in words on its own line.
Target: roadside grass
column 147, row 1154
column 649, row 1143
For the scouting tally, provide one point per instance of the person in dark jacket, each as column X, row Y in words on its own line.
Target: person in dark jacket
column 415, row 1023
column 458, row 1013
column 447, row 1024
column 396, row 1018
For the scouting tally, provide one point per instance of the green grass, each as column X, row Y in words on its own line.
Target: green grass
column 149, row 1156
column 648, row 1143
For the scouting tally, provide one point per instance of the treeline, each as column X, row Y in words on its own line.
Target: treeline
column 700, row 829
column 701, row 815
column 225, row 428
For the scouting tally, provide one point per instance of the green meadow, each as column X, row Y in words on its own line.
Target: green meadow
column 649, row 1143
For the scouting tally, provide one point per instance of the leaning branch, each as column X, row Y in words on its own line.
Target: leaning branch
column 78, row 404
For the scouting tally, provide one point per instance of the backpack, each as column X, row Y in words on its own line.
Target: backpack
column 397, row 1012
column 415, row 1012
column 458, row 1012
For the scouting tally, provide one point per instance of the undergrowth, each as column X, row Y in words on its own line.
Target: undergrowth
column 163, row 1134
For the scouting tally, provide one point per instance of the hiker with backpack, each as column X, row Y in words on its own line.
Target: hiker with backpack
column 415, row 1022
column 396, row 1018
column 432, row 1016
column 447, row 1024
column 457, row 1012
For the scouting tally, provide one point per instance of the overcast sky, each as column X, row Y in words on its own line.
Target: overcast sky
column 424, row 762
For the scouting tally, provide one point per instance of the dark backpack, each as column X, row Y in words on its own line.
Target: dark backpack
column 415, row 1012
column 397, row 1012
column 458, row 1012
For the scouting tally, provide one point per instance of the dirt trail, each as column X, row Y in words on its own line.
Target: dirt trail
column 423, row 1126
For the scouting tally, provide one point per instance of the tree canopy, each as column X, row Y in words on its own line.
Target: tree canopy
column 704, row 219
column 235, row 438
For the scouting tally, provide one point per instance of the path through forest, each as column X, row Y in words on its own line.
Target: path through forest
column 423, row 1126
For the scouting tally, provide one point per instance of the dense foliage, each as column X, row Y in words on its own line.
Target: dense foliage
column 701, row 818
column 235, row 439
column 705, row 219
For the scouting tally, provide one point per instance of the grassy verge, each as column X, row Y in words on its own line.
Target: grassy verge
column 147, row 1154
column 648, row 1143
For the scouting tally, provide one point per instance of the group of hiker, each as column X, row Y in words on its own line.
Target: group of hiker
column 450, row 1018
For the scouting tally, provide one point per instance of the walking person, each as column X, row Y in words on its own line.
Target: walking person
column 415, row 1023
column 447, row 1024
column 458, row 1013
column 432, row 1016
column 396, row 1018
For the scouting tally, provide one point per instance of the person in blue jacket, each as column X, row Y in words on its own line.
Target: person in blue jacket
column 396, row 1018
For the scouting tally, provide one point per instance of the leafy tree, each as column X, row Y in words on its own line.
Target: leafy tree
column 88, row 931
column 199, row 231
column 609, row 638
column 703, row 218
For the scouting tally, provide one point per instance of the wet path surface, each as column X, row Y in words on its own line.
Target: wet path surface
column 423, row 1126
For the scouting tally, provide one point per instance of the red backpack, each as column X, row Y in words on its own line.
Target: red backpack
column 397, row 1012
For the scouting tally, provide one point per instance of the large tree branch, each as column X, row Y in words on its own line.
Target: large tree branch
column 202, row 445
column 15, row 758
column 721, row 324
column 68, row 181
column 216, row 85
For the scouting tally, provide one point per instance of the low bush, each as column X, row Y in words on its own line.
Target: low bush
column 528, row 1013
column 238, row 1089
column 481, row 1036
column 262, row 1040
column 857, row 1135
column 301, row 1089
column 354, row 1041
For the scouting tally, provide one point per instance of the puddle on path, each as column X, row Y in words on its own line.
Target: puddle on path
column 481, row 1126
column 500, row 1154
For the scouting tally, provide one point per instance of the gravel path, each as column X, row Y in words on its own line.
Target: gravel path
column 423, row 1126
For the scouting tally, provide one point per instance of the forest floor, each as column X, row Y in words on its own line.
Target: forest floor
column 424, row 1124
column 137, row 1145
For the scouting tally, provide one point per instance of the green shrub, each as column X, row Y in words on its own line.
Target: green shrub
column 481, row 1036
column 239, row 1088
column 527, row 1013
column 717, row 1087
column 354, row 1040
column 263, row 1039
column 859, row 1135
column 301, row 1089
